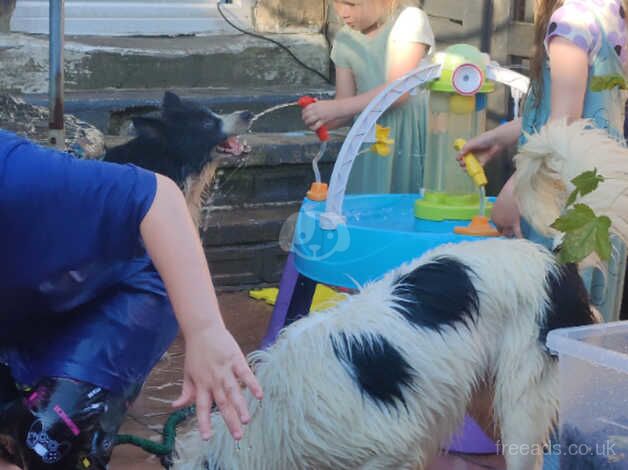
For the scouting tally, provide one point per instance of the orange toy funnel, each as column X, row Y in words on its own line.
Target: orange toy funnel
column 479, row 227
column 317, row 192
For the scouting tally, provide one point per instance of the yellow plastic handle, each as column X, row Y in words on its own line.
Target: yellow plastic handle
column 475, row 170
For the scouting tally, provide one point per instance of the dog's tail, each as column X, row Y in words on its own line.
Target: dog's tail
column 553, row 157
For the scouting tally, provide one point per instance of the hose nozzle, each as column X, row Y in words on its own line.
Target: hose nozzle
column 473, row 166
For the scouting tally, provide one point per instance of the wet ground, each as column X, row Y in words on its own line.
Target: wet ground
column 247, row 320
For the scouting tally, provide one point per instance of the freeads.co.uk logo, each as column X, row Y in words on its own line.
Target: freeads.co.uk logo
column 302, row 234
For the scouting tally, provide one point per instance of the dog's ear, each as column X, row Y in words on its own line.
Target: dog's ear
column 171, row 101
column 151, row 128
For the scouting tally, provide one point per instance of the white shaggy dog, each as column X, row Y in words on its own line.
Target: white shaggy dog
column 558, row 153
column 382, row 380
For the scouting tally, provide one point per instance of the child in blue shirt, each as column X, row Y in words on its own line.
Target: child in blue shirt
column 100, row 264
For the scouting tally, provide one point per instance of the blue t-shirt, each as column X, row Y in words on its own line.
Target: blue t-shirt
column 79, row 296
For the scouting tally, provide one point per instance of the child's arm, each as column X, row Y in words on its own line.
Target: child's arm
column 214, row 364
column 491, row 143
column 569, row 71
column 333, row 113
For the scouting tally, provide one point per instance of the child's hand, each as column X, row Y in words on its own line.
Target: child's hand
column 505, row 213
column 214, row 368
column 319, row 113
column 484, row 147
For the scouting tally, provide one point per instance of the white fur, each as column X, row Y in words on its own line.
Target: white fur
column 314, row 417
column 555, row 155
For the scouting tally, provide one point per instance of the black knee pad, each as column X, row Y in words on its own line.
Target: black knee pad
column 63, row 424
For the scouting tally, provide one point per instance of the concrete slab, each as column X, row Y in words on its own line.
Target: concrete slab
column 99, row 62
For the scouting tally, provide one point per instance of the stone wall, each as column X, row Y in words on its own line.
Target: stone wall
column 289, row 16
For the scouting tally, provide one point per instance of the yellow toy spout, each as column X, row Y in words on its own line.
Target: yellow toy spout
column 475, row 170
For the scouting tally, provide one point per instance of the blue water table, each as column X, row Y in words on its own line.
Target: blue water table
column 348, row 240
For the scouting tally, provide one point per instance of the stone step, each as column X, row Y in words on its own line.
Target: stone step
column 101, row 62
column 243, row 245
column 110, row 110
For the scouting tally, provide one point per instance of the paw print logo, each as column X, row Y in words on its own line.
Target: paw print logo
column 302, row 236
column 50, row 450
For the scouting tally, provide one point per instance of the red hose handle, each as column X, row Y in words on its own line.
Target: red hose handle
column 322, row 132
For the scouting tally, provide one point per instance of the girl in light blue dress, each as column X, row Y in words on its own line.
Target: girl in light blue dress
column 381, row 41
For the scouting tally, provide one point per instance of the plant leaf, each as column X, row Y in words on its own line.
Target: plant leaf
column 575, row 218
column 572, row 198
column 584, row 240
column 587, row 182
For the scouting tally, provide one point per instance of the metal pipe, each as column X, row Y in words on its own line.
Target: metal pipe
column 486, row 37
column 56, row 132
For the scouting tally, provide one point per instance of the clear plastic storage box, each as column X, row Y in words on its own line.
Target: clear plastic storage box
column 593, row 396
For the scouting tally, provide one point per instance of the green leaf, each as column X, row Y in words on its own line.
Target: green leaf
column 575, row 218
column 587, row 182
column 572, row 198
column 584, row 231
column 587, row 238
column 607, row 82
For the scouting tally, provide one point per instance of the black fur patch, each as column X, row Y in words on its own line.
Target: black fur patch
column 379, row 369
column 569, row 301
column 438, row 294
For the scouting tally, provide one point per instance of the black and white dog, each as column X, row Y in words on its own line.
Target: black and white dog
column 179, row 144
column 383, row 379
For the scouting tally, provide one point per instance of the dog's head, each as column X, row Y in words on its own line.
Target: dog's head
column 187, row 133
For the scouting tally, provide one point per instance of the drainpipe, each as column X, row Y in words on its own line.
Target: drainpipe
column 487, row 26
column 56, row 132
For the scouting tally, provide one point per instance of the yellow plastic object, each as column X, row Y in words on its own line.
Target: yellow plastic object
column 324, row 297
column 462, row 104
column 479, row 227
column 383, row 142
column 317, row 192
column 268, row 295
column 475, row 170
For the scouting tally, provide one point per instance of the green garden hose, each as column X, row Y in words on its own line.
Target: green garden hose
column 166, row 447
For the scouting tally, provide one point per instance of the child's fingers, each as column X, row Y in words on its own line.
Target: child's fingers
column 244, row 374
column 203, row 408
column 187, row 394
column 229, row 414
column 460, row 161
column 309, row 116
column 234, row 394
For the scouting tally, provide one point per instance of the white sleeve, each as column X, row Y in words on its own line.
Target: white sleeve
column 412, row 25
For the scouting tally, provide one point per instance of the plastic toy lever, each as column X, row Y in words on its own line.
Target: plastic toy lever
column 322, row 132
column 474, row 168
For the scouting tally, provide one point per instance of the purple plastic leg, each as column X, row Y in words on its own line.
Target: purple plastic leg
column 293, row 300
column 471, row 439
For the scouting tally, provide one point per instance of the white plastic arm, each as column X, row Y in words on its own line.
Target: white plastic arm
column 517, row 83
column 362, row 130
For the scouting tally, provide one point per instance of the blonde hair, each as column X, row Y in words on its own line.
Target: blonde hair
column 542, row 15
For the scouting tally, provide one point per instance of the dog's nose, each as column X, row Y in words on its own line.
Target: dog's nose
column 246, row 115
